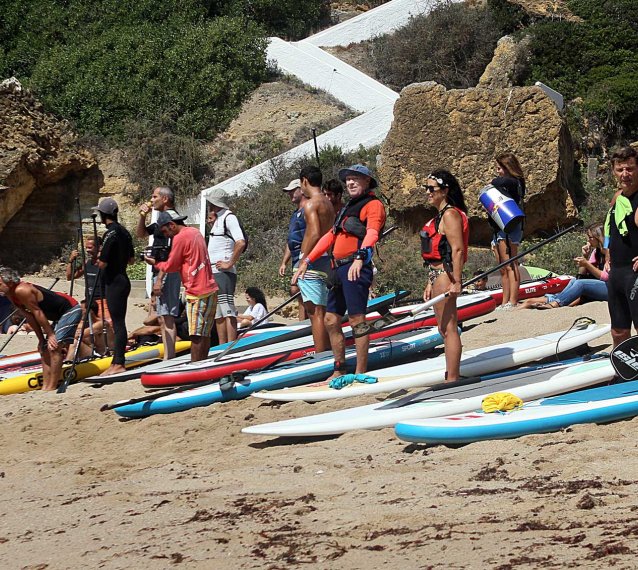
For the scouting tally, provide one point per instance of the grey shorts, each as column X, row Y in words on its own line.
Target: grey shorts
column 65, row 328
column 168, row 302
column 227, row 282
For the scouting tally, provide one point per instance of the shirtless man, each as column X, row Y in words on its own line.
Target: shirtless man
column 40, row 306
column 319, row 214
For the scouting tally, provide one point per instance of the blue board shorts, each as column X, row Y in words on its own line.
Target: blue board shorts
column 67, row 325
column 313, row 286
column 350, row 296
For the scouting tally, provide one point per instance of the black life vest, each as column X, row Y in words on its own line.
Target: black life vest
column 348, row 219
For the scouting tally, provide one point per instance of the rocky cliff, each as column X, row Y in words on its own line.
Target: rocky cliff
column 462, row 130
column 42, row 171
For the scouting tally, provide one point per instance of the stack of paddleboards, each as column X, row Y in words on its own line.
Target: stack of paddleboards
column 251, row 359
column 310, row 369
column 538, row 381
column 33, row 379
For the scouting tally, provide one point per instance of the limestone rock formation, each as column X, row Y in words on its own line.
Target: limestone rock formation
column 42, row 170
column 462, row 130
column 509, row 57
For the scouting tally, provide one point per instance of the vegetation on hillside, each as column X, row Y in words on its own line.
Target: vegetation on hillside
column 594, row 60
column 101, row 63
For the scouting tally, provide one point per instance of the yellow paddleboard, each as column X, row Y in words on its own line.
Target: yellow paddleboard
column 137, row 357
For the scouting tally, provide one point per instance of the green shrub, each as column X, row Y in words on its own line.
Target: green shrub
column 595, row 59
column 451, row 45
column 155, row 157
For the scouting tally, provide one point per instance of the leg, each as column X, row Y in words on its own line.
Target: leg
column 199, row 347
column 116, row 298
column 169, row 335
column 529, row 303
column 231, row 328
column 300, row 306
column 46, row 369
column 316, row 314
column 501, row 256
column 362, row 344
column 446, row 317
column 52, row 379
column 514, row 275
column 337, row 341
column 619, row 335
column 220, row 325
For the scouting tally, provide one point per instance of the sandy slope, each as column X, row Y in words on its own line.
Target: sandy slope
column 83, row 488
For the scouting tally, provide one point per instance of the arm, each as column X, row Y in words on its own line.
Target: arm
column 140, row 229
column 374, row 215
column 27, row 297
column 174, row 262
column 238, row 248
column 323, row 245
column 284, row 261
column 232, row 225
column 79, row 270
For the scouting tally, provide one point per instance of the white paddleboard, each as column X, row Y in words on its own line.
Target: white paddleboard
column 596, row 405
column 473, row 363
column 531, row 383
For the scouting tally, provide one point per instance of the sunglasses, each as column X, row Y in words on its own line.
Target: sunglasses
column 430, row 189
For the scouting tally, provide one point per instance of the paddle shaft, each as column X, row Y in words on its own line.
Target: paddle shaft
column 255, row 324
column 73, row 267
column 425, row 306
column 22, row 321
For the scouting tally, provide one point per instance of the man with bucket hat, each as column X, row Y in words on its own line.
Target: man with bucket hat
column 115, row 254
column 350, row 243
column 226, row 243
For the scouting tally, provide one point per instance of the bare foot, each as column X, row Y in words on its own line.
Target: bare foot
column 113, row 369
column 325, row 382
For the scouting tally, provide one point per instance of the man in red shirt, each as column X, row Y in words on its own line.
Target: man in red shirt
column 351, row 241
column 189, row 257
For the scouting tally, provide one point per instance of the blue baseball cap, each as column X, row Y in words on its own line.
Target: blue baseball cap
column 359, row 169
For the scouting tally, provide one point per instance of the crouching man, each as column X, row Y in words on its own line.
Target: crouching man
column 40, row 305
column 189, row 257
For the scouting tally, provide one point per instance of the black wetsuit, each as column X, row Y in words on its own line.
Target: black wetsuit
column 622, row 286
column 117, row 249
column 90, row 276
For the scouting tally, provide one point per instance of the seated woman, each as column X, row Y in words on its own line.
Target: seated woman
column 257, row 309
column 591, row 283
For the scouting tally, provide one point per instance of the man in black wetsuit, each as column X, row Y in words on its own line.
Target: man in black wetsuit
column 39, row 306
column 116, row 253
column 621, row 228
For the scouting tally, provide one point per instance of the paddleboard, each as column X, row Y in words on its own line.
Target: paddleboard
column 534, row 288
column 595, row 405
column 530, row 382
column 209, row 370
column 311, row 369
column 136, row 357
column 473, row 363
column 252, row 339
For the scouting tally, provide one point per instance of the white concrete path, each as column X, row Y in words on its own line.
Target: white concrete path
column 317, row 68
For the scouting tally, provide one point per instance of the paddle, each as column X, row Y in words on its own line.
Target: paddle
column 22, row 321
column 255, row 324
column 225, row 383
column 390, row 319
column 624, row 359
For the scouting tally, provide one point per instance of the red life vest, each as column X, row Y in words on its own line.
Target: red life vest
column 434, row 246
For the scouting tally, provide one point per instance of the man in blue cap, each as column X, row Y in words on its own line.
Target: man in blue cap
column 351, row 241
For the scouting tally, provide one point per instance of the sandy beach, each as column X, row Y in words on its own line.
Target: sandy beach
column 82, row 488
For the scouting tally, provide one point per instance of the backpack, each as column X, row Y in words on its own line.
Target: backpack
column 243, row 231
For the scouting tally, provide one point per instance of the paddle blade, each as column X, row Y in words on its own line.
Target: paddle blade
column 624, row 359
